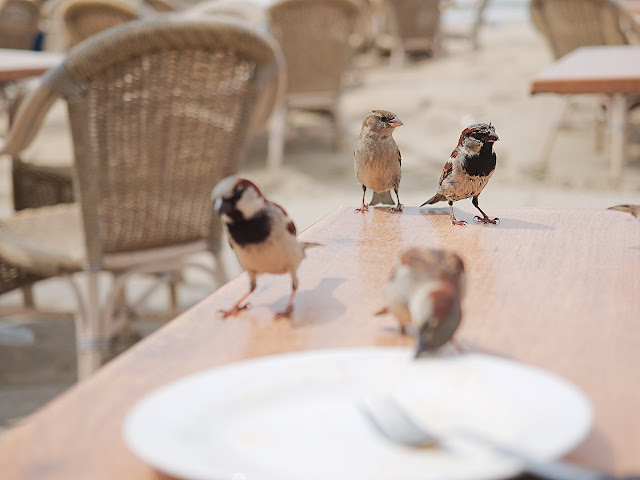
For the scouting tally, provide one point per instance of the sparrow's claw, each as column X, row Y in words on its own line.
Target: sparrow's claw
column 458, row 222
column 286, row 313
column 397, row 208
column 362, row 209
column 486, row 220
column 233, row 311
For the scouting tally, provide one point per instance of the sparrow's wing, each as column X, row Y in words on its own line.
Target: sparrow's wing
column 291, row 227
column 448, row 168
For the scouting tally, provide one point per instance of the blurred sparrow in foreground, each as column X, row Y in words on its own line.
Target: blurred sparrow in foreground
column 468, row 170
column 260, row 233
column 424, row 293
column 632, row 209
column 377, row 159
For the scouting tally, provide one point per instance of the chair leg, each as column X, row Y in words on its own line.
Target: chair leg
column 27, row 296
column 552, row 132
column 91, row 338
column 219, row 272
column 396, row 60
column 277, row 128
column 617, row 126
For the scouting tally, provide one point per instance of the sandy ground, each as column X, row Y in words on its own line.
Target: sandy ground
column 435, row 98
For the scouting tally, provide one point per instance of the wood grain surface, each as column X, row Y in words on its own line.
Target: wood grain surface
column 601, row 69
column 559, row 289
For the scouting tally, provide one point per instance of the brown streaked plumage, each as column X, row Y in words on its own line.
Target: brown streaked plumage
column 424, row 294
column 468, row 170
column 260, row 233
column 377, row 160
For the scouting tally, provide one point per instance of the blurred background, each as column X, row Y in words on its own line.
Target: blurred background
column 440, row 66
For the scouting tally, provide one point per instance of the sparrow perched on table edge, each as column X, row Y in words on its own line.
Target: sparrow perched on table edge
column 377, row 160
column 468, row 170
column 424, row 293
column 632, row 209
column 260, row 233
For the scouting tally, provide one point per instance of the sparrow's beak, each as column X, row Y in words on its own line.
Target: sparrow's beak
column 492, row 137
column 395, row 123
column 221, row 206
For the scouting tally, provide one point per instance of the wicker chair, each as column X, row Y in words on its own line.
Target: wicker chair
column 245, row 11
column 415, row 27
column 315, row 37
column 84, row 18
column 19, row 23
column 567, row 25
column 160, row 110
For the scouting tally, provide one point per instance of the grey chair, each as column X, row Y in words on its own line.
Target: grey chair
column 160, row 111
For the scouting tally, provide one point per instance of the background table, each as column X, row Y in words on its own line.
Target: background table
column 608, row 70
column 19, row 64
column 554, row 288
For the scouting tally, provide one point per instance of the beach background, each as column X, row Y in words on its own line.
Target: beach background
column 434, row 97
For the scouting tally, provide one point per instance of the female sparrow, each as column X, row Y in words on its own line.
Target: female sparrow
column 468, row 170
column 260, row 233
column 377, row 159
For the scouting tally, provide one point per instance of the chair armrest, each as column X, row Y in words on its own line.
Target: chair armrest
column 31, row 113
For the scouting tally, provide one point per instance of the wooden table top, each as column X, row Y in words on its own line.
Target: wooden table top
column 602, row 69
column 559, row 289
column 19, row 64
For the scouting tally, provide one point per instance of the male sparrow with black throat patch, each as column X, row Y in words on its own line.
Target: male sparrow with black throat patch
column 468, row 170
column 377, row 159
column 260, row 233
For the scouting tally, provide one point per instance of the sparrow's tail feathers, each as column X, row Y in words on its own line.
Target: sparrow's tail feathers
column 632, row 209
column 435, row 199
column 384, row 198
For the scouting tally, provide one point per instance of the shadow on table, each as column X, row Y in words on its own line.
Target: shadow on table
column 311, row 307
column 505, row 223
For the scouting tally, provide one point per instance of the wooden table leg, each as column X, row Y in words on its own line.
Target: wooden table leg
column 617, row 131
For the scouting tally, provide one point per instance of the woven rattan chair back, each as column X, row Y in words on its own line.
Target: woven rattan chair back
column 569, row 24
column 19, row 23
column 315, row 38
column 159, row 112
column 84, row 18
column 416, row 20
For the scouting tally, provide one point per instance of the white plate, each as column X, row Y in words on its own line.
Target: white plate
column 295, row 416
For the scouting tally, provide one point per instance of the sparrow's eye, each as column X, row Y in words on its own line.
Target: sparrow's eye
column 384, row 119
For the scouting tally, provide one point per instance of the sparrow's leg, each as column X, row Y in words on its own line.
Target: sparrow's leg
column 485, row 218
column 237, row 308
column 453, row 217
column 398, row 207
column 363, row 208
column 286, row 313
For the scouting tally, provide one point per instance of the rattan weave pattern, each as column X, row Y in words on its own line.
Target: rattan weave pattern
column 19, row 23
column 569, row 24
column 315, row 38
column 416, row 19
column 84, row 18
column 159, row 111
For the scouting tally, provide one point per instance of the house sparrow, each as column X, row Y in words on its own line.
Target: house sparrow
column 424, row 294
column 632, row 209
column 468, row 170
column 377, row 159
column 260, row 233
